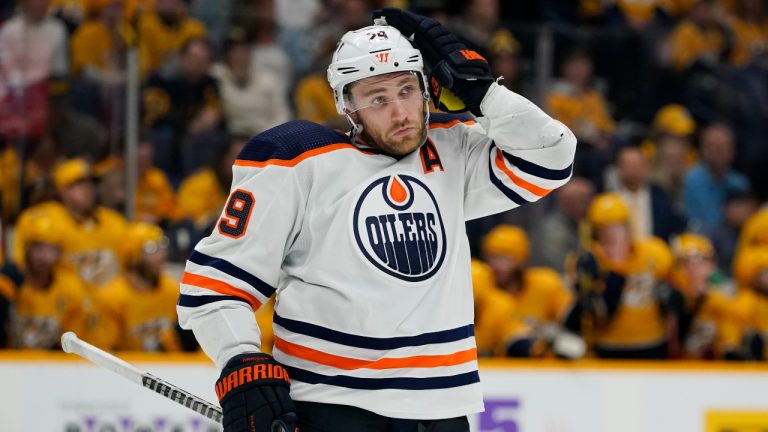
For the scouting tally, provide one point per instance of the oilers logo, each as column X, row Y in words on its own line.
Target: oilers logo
column 399, row 229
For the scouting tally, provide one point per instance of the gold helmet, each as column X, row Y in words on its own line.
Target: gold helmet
column 748, row 263
column 507, row 240
column 608, row 209
column 674, row 119
column 71, row 171
column 654, row 255
column 755, row 230
column 141, row 236
column 691, row 245
column 43, row 229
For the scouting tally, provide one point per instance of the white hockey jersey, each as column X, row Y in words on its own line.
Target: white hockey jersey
column 368, row 255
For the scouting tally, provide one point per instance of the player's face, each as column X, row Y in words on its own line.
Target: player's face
column 504, row 268
column 615, row 240
column 391, row 109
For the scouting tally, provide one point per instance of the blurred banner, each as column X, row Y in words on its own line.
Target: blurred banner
column 48, row 392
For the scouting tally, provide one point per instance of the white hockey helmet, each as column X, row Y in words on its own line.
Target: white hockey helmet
column 371, row 51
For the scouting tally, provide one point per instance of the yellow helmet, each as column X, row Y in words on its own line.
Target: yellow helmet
column 71, row 171
column 755, row 230
column 674, row 119
column 137, row 237
column 608, row 209
column 748, row 263
column 654, row 254
column 43, row 229
column 507, row 240
column 692, row 245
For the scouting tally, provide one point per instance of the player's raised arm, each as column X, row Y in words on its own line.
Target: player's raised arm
column 231, row 273
column 516, row 153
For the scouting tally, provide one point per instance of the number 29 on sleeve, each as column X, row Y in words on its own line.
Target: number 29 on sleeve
column 236, row 214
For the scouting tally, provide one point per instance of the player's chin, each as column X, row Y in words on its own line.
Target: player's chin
column 403, row 145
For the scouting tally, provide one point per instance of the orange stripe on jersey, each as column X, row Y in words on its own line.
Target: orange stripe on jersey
column 347, row 363
column 532, row 188
column 220, row 287
column 303, row 156
column 450, row 124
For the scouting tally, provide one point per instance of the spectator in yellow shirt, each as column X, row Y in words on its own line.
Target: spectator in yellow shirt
column 575, row 102
column 749, row 335
column 99, row 45
column 155, row 200
column 91, row 233
column 700, row 38
column 203, row 194
column 164, row 31
column 750, row 28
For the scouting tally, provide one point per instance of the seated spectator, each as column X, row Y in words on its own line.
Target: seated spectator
column 738, row 209
column 748, row 339
column 34, row 48
column 183, row 112
column 155, row 200
column 706, row 307
column 77, row 134
column 620, row 311
column 91, row 234
column 700, row 39
column 709, row 182
column 99, row 45
column 540, row 298
column 750, row 29
column 556, row 235
column 163, row 32
column 137, row 310
column 477, row 22
column 51, row 300
column 202, row 196
column 579, row 106
column 652, row 211
column 252, row 99
column 504, row 58
column 670, row 150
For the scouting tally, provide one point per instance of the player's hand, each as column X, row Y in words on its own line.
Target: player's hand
column 253, row 393
column 465, row 73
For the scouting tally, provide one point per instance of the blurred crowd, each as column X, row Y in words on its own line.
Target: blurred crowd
column 657, row 247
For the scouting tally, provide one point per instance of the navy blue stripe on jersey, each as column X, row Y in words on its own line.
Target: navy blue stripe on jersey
column 236, row 272
column 446, row 118
column 290, row 140
column 404, row 383
column 358, row 341
column 512, row 195
column 195, row 301
column 538, row 170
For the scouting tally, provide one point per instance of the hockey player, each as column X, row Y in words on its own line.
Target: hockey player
column 135, row 311
column 620, row 311
column 539, row 295
column 706, row 303
column 51, row 299
column 362, row 236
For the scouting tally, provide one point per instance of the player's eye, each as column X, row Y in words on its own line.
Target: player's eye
column 379, row 100
column 408, row 89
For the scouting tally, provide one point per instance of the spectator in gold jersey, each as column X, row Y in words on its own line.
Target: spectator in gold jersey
column 91, row 234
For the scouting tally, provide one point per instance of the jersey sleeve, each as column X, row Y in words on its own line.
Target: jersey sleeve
column 236, row 269
column 516, row 154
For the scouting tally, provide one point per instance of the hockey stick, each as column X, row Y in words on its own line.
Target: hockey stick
column 70, row 343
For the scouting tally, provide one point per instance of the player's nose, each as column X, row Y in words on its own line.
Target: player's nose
column 399, row 113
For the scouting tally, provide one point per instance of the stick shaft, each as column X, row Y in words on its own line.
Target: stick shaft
column 70, row 343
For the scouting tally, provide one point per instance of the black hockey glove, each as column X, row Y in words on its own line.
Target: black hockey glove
column 463, row 72
column 253, row 393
